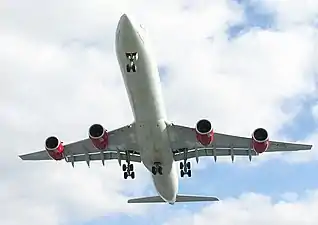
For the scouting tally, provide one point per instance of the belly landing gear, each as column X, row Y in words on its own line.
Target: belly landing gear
column 156, row 168
column 185, row 169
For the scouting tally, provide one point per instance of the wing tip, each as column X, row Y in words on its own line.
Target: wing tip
column 306, row 147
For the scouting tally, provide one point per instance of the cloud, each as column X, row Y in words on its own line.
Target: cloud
column 243, row 78
column 253, row 208
column 60, row 75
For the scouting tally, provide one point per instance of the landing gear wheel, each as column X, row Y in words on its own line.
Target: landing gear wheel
column 154, row 170
column 134, row 68
column 132, row 55
column 185, row 169
column 188, row 165
column 135, row 55
column 128, row 55
column 128, row 68
column 128, row 170
column 131, row 167
column 160, row 170
column 131, row 68
column 124, row 167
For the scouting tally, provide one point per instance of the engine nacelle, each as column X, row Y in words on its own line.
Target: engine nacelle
column 54, row 148
column 204, row 132
column 260, row 140
column 98, row 136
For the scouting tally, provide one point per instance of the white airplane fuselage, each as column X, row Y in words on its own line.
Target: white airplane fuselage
column 146, row 100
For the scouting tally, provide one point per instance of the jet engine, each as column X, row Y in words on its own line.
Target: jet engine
column 204, row 132
column 54, row 148
column 98, row 136
column 260, row 140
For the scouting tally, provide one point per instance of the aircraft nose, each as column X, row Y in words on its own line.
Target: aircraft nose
column 127, row 35
column 125, row 24
column 124, row 17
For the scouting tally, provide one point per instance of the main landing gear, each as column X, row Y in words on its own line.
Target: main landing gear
column 128, row 171
column 128, row 168
column 156, row 168
column 185, row 168
column 131, row 66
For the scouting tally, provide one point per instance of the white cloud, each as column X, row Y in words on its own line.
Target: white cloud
column 244, row 80
column 251, row 208
column 59, row 75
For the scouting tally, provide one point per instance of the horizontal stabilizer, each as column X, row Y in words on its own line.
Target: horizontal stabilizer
column 193, row 198
column 180, row 198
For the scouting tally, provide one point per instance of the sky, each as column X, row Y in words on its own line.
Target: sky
column 241, row 63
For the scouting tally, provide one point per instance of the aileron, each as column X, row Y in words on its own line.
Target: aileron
column 41, row 155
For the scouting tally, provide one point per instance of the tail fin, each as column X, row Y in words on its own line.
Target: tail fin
column 180, row 198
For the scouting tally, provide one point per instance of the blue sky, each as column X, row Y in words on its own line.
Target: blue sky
column 256, row 16
column 274, row 177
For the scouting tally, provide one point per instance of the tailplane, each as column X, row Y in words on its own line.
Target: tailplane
column 180, row 198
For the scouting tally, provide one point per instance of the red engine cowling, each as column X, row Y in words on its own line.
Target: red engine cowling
column 98, row 136
column 260, row 140
column 204, row 132
column 54, row 148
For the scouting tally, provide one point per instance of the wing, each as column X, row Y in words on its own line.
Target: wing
column 121, row 142
column 185, row 145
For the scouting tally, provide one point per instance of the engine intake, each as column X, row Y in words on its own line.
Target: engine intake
column 54, row 148
column 51, row 143
column 204, row 132
column 204, row 126
column 260, row 135
column 98, row 136
column 260, row 140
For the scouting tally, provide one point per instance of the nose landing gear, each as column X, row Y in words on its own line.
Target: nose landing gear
column 131, row 66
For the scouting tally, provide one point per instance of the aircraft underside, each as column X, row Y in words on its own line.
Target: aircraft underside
column 151, row 139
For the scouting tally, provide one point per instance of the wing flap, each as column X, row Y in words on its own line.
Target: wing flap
column 213, row 152
column 107, row 156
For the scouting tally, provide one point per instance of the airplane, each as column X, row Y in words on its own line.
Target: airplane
column 151, row 139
